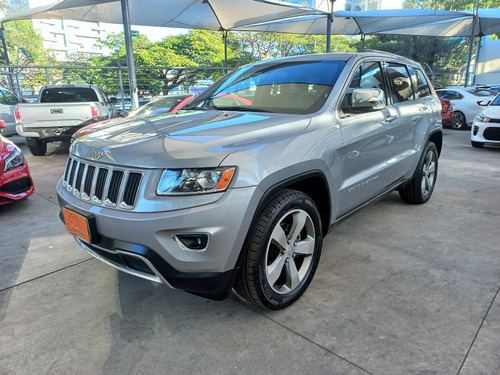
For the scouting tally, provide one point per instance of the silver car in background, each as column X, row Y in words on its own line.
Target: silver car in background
column 238, row 189
column 8, row 103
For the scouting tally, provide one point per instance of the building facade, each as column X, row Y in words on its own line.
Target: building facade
column 68, row 38
column 351, row 5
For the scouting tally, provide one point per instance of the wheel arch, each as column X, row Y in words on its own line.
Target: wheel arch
column 313, row 183
column 437, row 138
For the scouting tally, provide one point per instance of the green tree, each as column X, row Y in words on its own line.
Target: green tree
column 448, row 4
column 25, row 45
column 24, row 48
column 163, row 59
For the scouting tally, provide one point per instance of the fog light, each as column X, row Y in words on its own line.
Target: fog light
column 476, row 129
column 191, row 242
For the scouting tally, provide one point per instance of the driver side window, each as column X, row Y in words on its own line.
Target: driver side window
column 367, row 76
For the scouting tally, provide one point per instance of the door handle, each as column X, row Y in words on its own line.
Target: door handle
column 390, row 118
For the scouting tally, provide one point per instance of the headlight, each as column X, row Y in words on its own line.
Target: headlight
column 194, row 181
column 14, row 160
column 482, row 118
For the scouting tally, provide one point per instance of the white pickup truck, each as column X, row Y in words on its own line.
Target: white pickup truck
column 61, row 110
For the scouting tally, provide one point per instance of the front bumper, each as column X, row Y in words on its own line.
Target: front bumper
column 143, row 244
column 145, row 263
column 485, row 132
column 15, row 184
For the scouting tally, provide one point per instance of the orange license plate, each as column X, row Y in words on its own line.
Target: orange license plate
column 77, row 224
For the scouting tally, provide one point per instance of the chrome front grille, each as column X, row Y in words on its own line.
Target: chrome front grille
column 102, row 185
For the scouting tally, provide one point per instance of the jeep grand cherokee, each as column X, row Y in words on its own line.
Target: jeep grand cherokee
column 238, row 189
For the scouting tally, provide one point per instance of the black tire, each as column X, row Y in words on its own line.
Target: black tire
column 419, row 189
column 477, row 144
column 39, row 148
column 459, row 122
column 274, row 245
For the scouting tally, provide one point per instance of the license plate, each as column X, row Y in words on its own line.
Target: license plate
column 77, row 224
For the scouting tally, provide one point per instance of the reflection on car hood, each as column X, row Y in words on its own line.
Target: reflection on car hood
column 186, row 138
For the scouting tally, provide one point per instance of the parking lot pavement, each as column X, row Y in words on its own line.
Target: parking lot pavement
column 400, row 289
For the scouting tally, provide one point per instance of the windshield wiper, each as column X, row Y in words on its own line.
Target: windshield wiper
column 241, row 109
column 191, row 108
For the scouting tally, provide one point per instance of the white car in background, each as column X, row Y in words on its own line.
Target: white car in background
column 467, row 103
column 486, row 125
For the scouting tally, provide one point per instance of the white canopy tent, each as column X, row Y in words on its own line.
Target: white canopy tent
column 193, row 14
column 487, row 22
column 424, row 22
column 359, row 23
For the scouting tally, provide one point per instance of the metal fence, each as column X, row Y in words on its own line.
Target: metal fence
column 26, row 81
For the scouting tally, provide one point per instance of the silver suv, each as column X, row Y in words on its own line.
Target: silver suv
column 238, row 189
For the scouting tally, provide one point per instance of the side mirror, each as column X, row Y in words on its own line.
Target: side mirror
column 368, row 99
column 2, row 124
column 113, row 100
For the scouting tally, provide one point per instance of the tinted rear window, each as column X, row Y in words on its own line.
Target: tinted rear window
column 65, row 95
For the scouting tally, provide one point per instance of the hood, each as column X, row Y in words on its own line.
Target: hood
column 492, row 111
column 96, row 126
column 185, row 139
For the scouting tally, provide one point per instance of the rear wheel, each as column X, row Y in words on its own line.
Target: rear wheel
column 419, row 189
column 459, row 122
column 283, row 251
column 37, row 147
column 477, row 144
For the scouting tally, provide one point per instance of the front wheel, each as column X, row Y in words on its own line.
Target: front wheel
column 419, row 189
column 282, row 251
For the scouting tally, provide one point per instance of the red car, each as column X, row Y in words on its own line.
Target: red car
column 446, row 112
column 15, row 179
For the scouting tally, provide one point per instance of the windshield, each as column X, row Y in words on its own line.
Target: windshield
column 496, row 101
column 282, row 87
column 157, row 106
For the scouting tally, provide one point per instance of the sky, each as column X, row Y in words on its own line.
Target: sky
column 154, row 34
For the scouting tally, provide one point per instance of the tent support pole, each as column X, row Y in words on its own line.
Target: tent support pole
column 329, row 32
column 130, row 54
column 363, row 41
column 476, row 60
column 471, row 42
column 224, row 35
column 329, row 21
column 4, row 44
column 7, row 62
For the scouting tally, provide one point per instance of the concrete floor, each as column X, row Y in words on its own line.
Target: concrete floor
column 400, row 289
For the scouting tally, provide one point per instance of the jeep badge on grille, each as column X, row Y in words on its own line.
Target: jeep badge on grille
column 95, row 154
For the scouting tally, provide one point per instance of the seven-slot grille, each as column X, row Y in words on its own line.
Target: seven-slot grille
column 102, row 185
